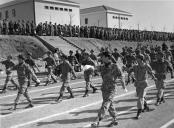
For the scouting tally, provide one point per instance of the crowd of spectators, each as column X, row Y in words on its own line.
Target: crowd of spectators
column 22, row 27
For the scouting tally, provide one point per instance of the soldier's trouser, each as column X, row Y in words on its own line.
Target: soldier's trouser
column 51, row 75
column 34, row 78
column 89, row 82
column 141, row 93
column 9, row 78
column 107, row 105
column 22, row 91
column 160, row 86
column 65, row 85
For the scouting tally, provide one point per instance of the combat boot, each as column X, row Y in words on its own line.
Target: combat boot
column 94, row 89
column 47, row 83
column 86, row 94
column 95, row 125
column 138, row 113
column 113, row 123
column 59, row 99
column 158, row 102
column 70, row 91
column 146, row 107
column 30, row 106
column 162, row 99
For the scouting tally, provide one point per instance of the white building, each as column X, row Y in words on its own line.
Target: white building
column 104, row 16
column 59, row 11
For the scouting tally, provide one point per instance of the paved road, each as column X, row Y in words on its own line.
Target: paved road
column 79, row 112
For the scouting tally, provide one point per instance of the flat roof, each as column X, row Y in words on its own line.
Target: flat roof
column 102, row 8
column 51, row 1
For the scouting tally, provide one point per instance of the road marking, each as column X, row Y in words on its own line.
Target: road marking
column 75, row 109
column 36, row 107
column 38, row 90
column 168, row 124
column 126, row 111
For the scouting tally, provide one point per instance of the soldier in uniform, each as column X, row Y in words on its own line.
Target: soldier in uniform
column 160, row 67
column 8, row 64
column 66, row 70
column 88, row 73
column 109, row 72
column 116, row 54
column 140, row 72
column 50, row 64
column 33, row 28
column 23, row 70
column 32, row 65
column 72, row 59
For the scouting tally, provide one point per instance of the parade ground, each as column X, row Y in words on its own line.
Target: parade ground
column 80, row 112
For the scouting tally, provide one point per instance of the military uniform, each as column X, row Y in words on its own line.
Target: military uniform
column 109, row 72
column 160, row 66
column 50, row 63
column 8, row 64
column 23, row 70
column 140, row 73
column 31, row 63
column 88, row 74
column 66, row 70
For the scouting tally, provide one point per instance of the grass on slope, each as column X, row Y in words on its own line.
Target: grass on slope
column 14, row 45
column 96, row 44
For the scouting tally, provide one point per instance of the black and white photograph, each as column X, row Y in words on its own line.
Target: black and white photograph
column 86, row 63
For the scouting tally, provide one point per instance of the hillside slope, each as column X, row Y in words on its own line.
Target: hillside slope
column 14, row 45
column 96, row 44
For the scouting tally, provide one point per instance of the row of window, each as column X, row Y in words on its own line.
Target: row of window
column 57, row 8
column 122, row 18
column 13, row 12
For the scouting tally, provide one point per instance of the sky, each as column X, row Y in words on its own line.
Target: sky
column 147, row 14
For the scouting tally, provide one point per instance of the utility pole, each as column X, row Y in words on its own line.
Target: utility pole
column 119, row 22
column 138, row 26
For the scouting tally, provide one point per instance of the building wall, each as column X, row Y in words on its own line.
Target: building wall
column 118, row 21
column 94, row 19
column 23, row 11
column 57, row 16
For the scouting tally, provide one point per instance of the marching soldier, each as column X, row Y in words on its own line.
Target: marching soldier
column 160, row 67
column 23, row 70
column 109, row 72
column 32, row 65
column 140, row 72
column 50, row 64
column 66, row 70
column 88, row 73
column 8, row 64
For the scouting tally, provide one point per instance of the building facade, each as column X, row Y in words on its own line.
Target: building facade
column 55, row 11
column 104, row 16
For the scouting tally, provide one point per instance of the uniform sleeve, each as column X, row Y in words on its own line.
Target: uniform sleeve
column 169, row 65
column 149, row 69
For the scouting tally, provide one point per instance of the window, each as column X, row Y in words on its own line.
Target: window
column 70, row 10
column 126, row 18
column 0, row 15
column 113, row 17
column 51, row 8
column 56, row 8
column 46, row 7
column 13, row 12
column 121, row 18
column 65, row 9
column 86, row 20
column 6, row 15
column 116, row 17
column 61, row 9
